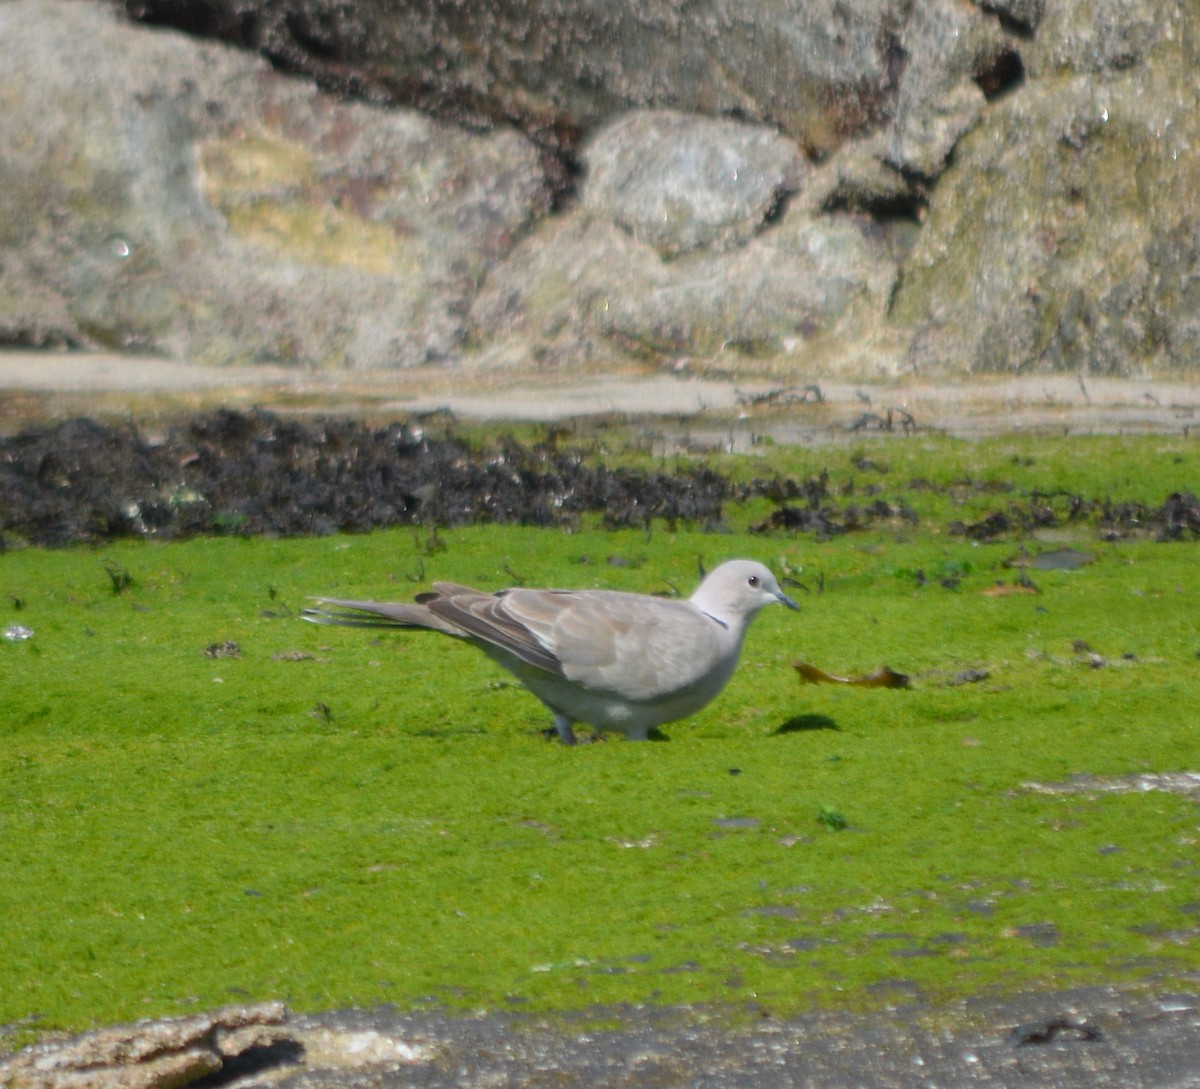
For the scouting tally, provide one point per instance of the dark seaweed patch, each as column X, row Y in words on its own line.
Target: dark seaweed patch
column 260, row 474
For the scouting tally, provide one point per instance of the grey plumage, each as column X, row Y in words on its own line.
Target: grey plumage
column 615, row 661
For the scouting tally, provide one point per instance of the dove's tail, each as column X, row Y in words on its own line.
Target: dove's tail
column 374, row 614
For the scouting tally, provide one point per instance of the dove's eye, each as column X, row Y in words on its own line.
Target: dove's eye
column 753, row 580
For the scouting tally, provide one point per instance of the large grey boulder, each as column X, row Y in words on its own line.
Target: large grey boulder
column 819, row 69
column 681, row 182
column 190, row 200
column 805, row 282
column 582, row 289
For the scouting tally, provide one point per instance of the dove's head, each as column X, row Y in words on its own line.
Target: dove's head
column 735, row 591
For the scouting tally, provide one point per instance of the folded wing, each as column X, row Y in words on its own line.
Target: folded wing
column 639, row 648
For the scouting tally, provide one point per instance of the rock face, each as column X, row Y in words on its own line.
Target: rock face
column 874, row 188
column 1066, row 236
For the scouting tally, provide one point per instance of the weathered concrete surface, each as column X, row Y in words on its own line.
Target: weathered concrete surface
column 1092, row 1038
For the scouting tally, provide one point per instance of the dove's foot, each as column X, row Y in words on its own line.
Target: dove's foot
column 562, row 726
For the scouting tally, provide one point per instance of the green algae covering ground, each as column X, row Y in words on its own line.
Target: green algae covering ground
column 336, row 818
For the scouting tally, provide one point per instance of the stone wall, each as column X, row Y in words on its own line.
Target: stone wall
column 806, row 188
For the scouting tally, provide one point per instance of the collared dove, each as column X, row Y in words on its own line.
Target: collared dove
column 615, row 661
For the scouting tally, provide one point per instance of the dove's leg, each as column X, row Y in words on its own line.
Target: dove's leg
column 563, row 725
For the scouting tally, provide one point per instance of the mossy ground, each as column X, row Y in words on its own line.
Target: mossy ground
column 383, row 821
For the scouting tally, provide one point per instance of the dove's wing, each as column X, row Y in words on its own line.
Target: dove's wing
column 639, row 648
